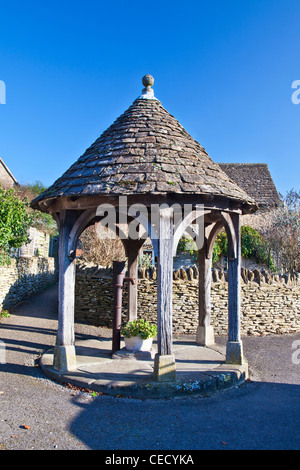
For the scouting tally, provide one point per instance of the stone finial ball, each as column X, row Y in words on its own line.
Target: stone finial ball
column 148, row 80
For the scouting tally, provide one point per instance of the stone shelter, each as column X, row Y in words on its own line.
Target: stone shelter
column 148, row 162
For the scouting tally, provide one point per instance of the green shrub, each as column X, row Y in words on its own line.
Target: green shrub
column 14, row 223
column 4, row 314
column 142, row 327
column 253, row 246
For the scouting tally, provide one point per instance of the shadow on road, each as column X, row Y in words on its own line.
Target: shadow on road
column 255, row 416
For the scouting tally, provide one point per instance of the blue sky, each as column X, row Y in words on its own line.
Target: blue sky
column 224, row 69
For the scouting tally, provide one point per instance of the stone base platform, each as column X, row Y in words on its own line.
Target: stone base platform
column 199, row 370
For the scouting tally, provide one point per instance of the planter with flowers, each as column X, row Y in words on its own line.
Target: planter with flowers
column 138, row 335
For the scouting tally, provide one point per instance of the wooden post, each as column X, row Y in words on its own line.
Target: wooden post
column 64, row 352
column 205, row 333
column 132, row 288
column 234, row 348
column 164, row 364
column 133, row 248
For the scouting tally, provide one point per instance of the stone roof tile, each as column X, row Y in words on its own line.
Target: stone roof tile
column 146, row 150
column 256, row 180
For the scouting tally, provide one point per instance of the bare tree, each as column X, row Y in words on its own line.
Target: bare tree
column 281, row 229
column 98, row 250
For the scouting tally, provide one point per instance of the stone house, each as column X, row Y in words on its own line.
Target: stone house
column 40, row 242
column 256, row 180
column 7, row 179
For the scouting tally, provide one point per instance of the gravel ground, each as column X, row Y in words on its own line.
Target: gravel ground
column 37, row 413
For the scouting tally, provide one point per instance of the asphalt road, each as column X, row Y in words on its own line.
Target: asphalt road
column 37, row 413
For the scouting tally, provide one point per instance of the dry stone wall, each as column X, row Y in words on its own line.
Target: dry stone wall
column 25, row 277
column 270, row 304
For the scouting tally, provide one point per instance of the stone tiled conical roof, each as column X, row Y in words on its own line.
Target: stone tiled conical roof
column 146, row 150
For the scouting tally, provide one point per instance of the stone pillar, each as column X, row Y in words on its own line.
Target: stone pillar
column 64, row 351
column 205, row 332
column 234, row 348
column 164, row 363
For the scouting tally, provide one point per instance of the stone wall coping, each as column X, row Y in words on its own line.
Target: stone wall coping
column 191, row 274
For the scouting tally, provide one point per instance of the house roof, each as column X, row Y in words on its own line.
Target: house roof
column 8, row 172
column 256, row 180
column 145, row 151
